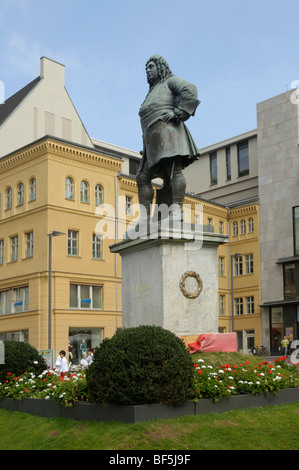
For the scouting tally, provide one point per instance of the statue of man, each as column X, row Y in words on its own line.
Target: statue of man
column 168, row 146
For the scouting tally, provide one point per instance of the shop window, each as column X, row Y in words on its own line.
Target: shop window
column 81, row 340
column 276, row 319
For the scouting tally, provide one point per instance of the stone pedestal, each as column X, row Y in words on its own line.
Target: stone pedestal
column 171, row 282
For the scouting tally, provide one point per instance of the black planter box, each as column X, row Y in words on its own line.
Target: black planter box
column 141, row 413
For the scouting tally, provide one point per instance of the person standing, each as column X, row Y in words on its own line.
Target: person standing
column 284, row 344
column 63, row 367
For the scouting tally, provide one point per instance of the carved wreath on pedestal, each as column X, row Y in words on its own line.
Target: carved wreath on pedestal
column 191, row 295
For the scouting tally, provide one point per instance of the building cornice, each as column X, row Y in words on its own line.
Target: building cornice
column 53, row 147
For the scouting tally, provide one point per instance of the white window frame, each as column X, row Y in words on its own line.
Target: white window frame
column 249, row 305
column 97, row 246
column 69, row 188
column 99, row 195
column 129, row 205
column 29, row 244
column 14, row 248
column 1, row 252
column 20, row 194
column 85, row 303
column 8, row 204
column 32, row 189
column 238, row 265
column 84, row 192
column 238, row 306
column 249, row 264
column 73, row 243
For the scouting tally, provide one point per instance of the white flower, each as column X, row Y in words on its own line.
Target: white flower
column 200, row 360
column 230, row 377
column 257, row 382
column 47, row 397
column 221, row 371
column 35, row 362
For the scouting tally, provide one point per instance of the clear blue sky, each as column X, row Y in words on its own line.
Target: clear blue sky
column 237, row 53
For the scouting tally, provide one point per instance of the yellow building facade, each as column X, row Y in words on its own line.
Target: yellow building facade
column 55, row 186
column 51, row 186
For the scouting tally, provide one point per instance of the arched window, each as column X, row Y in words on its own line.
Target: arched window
column 69, row 188
column 99, row 195
column 243, row 227
column 250, row 225
column 8, row 198
column 235, row 229
column 20, row 194
column 84, row 191
column 32, row 189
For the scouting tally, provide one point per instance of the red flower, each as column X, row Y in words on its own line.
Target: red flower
column 8, row 373
column 199, row 372
column 270, row 371
column 247, row 362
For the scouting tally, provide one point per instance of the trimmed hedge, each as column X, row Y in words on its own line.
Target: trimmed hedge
column 142, row 365
column 19, row 358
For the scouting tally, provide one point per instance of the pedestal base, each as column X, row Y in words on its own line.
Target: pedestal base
column 171, row 282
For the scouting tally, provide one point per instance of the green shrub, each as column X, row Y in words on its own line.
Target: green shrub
column 141, row 365
column 19, row 358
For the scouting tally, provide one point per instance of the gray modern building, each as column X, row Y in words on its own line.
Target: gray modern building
column 263, row 166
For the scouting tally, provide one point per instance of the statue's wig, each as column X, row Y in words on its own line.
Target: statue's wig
column 164, row 71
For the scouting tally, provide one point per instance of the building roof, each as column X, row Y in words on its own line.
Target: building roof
column 12, row 103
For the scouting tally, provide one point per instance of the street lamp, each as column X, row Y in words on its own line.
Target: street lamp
column 54, row 233
column 232, row 257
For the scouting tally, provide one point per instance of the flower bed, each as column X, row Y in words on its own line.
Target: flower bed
column 238, row 379
column 214, row 382
column 49, row 386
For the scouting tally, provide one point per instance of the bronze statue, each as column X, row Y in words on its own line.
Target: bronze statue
column 168, row 146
